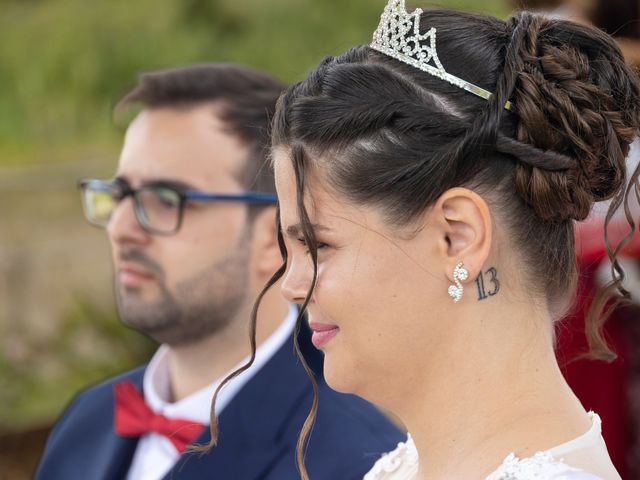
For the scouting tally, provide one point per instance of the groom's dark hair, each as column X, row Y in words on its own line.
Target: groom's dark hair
column 245, row 100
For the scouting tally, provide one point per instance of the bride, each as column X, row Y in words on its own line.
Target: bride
column 428, row 192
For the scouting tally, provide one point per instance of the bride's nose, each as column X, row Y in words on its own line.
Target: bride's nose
column 297, row 280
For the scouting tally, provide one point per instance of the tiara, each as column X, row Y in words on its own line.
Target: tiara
column 398, row 36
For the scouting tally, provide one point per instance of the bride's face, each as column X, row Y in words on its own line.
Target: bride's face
column 379, row 306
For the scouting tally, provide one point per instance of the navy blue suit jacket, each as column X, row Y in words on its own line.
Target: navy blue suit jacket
column 258, row 431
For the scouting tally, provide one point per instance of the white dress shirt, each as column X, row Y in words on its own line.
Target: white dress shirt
column 155, row 455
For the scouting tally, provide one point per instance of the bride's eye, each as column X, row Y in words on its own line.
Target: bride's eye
column 319, row 245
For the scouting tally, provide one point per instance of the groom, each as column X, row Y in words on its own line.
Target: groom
column 190, row 217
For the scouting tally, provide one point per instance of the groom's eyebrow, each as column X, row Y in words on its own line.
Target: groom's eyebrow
column 295, row 231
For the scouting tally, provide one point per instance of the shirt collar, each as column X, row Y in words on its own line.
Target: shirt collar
column 197, row 406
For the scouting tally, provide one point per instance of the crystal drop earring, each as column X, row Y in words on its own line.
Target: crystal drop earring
column 456, row 290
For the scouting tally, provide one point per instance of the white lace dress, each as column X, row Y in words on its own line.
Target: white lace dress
column 583, row 458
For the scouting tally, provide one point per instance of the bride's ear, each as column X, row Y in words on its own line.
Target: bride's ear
column 464, row 225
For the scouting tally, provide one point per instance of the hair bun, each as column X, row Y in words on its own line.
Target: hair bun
column 576, row 97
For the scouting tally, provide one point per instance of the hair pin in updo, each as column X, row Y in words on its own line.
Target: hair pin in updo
column 398, row 36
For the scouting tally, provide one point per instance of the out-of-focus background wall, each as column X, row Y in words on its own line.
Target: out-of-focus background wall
column 63, row 65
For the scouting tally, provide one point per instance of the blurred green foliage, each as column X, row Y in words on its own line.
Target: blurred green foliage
column 64, row 63
column 63, row 66
column 90, row 345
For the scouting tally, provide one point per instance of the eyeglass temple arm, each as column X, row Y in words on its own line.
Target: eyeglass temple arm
column 248, row 197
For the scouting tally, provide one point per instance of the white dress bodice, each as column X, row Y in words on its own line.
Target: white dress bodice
column 583, row 458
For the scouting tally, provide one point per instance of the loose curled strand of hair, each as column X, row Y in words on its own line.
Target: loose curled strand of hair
column 252, row 339
column 298, row 157
column 299, row 163
column 614, row 294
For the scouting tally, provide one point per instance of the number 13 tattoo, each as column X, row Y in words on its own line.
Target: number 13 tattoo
column 482, row 293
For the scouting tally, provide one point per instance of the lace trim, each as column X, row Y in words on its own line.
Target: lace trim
column 540, row 466
column 405, row 455
column 402, row 463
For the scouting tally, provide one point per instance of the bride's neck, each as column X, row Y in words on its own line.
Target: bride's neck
column 494, row 390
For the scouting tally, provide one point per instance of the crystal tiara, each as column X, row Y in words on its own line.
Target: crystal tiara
column 398, row 36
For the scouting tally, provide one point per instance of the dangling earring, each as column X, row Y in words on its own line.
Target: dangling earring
column 460, row 274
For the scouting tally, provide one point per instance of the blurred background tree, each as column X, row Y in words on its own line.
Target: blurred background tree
column 63, row 65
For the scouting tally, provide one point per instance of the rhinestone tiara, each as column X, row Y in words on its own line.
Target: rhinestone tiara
column 398, row 36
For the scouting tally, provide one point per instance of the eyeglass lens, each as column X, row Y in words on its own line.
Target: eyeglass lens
column 160, row 208
column 157, row 208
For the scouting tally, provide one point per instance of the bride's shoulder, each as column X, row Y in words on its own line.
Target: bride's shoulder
column 399, row 464
column 541, row 465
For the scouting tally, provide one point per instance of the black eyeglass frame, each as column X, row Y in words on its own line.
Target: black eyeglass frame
column 184, row 196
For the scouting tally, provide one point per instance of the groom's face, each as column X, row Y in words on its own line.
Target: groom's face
column 181, row 287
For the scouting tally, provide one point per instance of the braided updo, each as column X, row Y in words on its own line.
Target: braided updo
column 574, row 97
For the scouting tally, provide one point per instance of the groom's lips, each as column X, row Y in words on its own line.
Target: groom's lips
column 322, row 333
column 133, row 276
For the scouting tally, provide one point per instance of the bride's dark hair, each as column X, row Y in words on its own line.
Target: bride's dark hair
column 386, row 134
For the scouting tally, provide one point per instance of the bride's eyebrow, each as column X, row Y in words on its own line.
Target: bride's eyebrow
column 295, row 231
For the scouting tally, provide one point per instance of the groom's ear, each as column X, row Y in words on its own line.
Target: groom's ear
column 266, row 252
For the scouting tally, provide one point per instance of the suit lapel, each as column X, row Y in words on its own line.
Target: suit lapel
column 252, row 425
column 120, row 450
column 114, row 461
column 113, row 454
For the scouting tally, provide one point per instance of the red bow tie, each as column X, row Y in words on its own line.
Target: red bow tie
column 134, row 418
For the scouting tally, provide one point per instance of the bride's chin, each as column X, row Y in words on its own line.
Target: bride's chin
column 339, row 377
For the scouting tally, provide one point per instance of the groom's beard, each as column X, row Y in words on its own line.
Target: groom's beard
column 200, row 306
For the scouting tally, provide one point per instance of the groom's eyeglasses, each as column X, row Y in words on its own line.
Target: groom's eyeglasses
column 158, row 206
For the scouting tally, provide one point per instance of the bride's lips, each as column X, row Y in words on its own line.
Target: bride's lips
column 322, row 333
